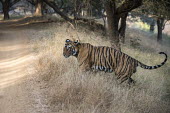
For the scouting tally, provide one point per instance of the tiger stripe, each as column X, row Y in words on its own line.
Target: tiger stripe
column 106, row 59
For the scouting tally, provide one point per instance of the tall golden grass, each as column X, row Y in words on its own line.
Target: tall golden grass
column 67, row 90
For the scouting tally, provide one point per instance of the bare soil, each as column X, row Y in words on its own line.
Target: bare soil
column 17, row 91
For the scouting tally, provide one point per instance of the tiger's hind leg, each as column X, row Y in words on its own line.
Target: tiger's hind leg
column 118, row 76
column 123, row 79
column 127, row 77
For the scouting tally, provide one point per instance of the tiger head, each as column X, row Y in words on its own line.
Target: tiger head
column 71, row 48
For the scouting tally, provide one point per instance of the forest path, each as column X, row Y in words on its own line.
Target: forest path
column 16, row 87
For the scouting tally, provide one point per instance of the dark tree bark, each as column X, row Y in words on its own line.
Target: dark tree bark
column 160, row 23
column 152, row 26
column 114, row 14
column 6, row 5
column 122, row 28
column 5, row 8
column 32, row 2
column 113, row 21
column 57, row 10
column 38, row 8
column 77, row 9
column 89, row 8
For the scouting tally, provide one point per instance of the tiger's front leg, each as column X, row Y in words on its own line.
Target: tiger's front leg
column 85, row 67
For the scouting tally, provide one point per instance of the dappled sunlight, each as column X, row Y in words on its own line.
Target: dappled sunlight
column 13, row 70
column 11, row 48
column 14, row 61
column 15, row 57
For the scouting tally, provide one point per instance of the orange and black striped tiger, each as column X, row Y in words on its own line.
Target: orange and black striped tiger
column 105, row 59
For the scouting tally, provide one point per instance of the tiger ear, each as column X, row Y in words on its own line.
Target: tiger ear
column 68, row 40
column 76, row 42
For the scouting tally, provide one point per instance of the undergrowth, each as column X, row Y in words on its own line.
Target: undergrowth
column 68, row 90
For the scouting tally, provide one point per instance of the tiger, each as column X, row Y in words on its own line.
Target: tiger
column 107, row 59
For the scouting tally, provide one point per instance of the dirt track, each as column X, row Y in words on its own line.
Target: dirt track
column 16, row 89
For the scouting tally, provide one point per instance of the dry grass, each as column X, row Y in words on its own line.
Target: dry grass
column 67, row 90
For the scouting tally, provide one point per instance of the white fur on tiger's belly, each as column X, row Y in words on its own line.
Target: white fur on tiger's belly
column 101, row 68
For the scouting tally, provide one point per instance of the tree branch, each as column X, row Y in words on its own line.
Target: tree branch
column 31, row 2
column 128, row 6
column 14, row 2
column 62, row 3
column 56, row 9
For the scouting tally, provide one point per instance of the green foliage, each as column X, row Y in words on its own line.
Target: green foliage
column 157, row 8
column 143, row 26
column 1, row 17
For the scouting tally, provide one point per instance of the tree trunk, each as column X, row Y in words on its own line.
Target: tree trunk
column 122, row 28
column 38, row 6
column 114, row 14
column 152, row 26
column 5, row 8
column 113, row 23
column 160, row 22
column 77, row 9
column 89, row 8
